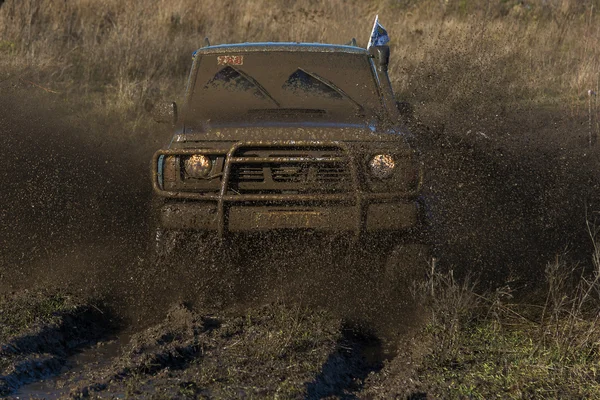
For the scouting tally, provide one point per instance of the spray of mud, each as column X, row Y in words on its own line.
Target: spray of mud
column 76, row 214
column 506, row 201
column 74, row 197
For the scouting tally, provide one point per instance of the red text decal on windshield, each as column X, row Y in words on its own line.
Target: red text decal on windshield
column 230, row 60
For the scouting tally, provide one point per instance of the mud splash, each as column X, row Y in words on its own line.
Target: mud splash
column 76, row 214
column 75, row 199
column 502, row 201
column 505, row 201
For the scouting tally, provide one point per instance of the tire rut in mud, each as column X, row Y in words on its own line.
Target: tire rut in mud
column 273, row 350
column 39, row 331
column 276, row 349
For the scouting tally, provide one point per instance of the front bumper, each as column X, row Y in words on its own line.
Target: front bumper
column 204, row 216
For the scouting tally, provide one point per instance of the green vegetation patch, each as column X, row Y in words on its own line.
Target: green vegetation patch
column 21, row 312
column 499, row 363
column 7, row 47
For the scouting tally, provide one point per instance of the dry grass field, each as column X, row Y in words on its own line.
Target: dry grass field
column 508, row 88
column 444, row 53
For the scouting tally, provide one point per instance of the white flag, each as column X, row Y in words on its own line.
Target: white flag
column 379, row 35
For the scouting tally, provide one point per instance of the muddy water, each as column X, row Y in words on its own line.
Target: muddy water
column 77, row 200
column 98, row 356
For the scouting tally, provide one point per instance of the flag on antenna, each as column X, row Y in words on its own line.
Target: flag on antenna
column 379, row 35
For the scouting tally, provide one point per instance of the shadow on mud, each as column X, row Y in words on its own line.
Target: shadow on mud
column 358, row 354
column 42, row 348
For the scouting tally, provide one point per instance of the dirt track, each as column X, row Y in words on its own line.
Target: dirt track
column 75, row 222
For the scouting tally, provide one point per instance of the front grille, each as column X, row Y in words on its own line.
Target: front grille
column 304, row 176
column 332, row 173
column 304, row 173
column 290, row 173
column 248, row 173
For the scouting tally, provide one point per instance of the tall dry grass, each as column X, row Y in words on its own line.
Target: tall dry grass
column 446, row 54
column 123, row 48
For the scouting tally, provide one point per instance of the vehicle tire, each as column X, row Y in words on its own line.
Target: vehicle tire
column 405, row 264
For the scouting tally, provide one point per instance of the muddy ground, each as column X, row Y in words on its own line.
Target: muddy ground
column 85, row 311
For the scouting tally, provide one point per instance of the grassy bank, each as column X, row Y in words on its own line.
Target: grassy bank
column 500, row 344
column 490, row 346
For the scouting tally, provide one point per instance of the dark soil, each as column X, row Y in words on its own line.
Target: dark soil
column 277, row 350
column 39, row 331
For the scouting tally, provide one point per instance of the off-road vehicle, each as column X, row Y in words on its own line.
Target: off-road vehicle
column 288, row 136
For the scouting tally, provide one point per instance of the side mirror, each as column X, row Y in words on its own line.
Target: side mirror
column 163, row 112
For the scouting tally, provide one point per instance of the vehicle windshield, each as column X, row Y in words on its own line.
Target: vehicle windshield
column 283, row 86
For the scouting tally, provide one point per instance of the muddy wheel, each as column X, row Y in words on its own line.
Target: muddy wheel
column 405, row 264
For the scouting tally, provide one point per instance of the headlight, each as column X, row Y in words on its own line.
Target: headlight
column 198, row 166
column 382, row 166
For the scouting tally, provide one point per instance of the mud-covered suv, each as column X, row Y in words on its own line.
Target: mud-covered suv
column 288, row 136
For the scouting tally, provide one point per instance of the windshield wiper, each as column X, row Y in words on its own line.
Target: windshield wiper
column 334, row 87
column 261, row 89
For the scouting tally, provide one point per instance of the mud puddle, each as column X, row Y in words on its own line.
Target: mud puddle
column 98, row 356
column 40, row 331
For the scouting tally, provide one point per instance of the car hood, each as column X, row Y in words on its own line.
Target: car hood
column 283, row 132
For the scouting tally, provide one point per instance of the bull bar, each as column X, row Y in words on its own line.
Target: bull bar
column 223, row 197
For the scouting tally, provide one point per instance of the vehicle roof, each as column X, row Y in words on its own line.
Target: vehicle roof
column 281, row 46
